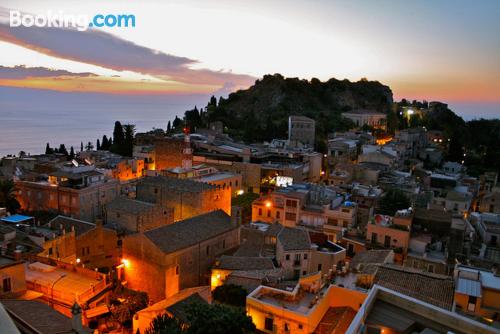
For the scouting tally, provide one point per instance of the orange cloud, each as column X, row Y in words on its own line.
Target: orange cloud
column 106, row 85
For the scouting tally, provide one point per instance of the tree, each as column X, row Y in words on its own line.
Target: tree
column 81, row 146
column 207, row 319
column 392, row 201
column 230, row 294
column 105, row 143
column 48, row 150
column 8, row 196
column 124, row 303
column 192, row 118
column 62, row 149
column 89, row 146
column 128, row 143
column 164, row 324
column 169, row 127
column 177, row 123
column 118, row 138
column 98, row 145
column 72, row 153
column 218, row 319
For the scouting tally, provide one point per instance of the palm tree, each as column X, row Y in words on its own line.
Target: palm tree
column 8, row 196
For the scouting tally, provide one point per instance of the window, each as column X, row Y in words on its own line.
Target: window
column 208, row 250
column 387, row 241
column 268, row 324
column 156, row 190
column 374, row 238
column 177, row 270
column 260, row 212
column 224, row 243
column 430, row 268
column 119, row 242
column 304, row 273
column 278, row 215
column 287, row 257
column 290, row 216
column 50, row 251
column 7, row 285
column 471, row 305
column 300, row 326
column 320, row 266
column 305, row 256
column 269, row 213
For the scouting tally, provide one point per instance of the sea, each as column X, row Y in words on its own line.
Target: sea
column 30, row 118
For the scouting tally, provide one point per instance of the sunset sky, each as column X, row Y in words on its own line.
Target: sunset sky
column 446, row 50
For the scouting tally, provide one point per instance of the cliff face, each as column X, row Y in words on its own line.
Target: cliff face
column 261, row 111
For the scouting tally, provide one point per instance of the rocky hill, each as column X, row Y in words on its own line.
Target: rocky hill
column 264, row 108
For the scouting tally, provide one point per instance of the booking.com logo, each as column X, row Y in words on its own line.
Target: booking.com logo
column 61, row 20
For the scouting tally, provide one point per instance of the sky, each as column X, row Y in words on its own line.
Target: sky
column 446, row 50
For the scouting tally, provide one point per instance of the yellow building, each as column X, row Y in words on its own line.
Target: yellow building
column 477, row 292
column 310, row 306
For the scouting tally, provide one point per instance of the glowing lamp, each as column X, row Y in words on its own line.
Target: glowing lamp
column 268, row 204
column 410, row 112
column 240, row 192
column 78, row 260
column 126, row 262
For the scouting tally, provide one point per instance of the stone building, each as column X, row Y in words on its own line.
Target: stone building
column 179, row 255
column 79, row 195
column 168, row 153
column 137, row 216
column 186, row 197
column 301, row 130
column 75, row 241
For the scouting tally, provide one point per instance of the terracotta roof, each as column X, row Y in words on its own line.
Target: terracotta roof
column 294, row 239
column 38, row 315
column 336, row 320
column 128, row 205
column 189, row 232
column 431, row 288
column 245, row 263
column 368, row 261
column 80, row 226
column 176, row 184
